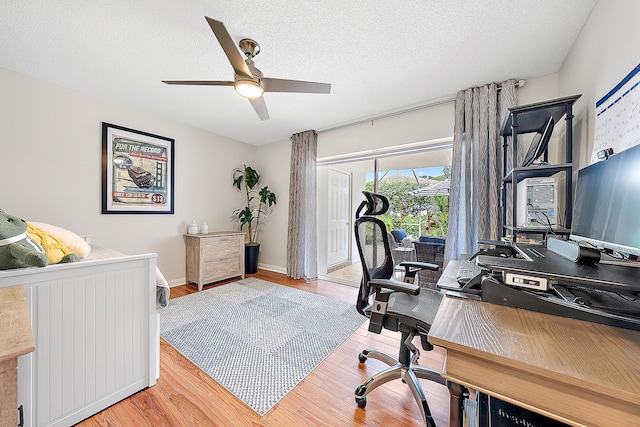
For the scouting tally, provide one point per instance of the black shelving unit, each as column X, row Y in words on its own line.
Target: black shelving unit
column 526, row 119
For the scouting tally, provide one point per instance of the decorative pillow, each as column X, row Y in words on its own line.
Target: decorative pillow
column 407, row 242
column 55, row 250
column 430, row 239
column 75, row 243
column 399, row 234
column 160, row 280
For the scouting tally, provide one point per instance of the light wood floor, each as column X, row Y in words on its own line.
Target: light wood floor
column 352, row 273
column 186, row 396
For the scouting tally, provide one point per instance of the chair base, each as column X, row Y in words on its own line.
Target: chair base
column 408, row 373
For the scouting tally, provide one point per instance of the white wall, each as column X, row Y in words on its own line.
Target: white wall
column 606, row 50
column 51, row 143
column 273, row 163
column 538, row 89
column 421, row 125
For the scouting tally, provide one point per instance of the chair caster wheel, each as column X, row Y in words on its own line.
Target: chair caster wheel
column 361, row 401
column 362, row 358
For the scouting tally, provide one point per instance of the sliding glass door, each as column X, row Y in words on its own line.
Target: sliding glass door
column 416, row 183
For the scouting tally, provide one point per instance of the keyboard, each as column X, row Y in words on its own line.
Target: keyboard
column 467, row 270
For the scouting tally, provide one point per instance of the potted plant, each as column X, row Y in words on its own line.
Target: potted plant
column 258, row 201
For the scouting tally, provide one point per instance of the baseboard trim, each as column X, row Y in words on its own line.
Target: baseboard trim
column 339, row 266
column 340, row 281
column 177, row 282
column 274, row 268
column 183, row 280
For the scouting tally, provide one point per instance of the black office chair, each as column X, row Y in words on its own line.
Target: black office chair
column 397, row 306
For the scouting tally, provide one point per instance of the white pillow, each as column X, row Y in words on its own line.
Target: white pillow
column 75, row 243
column 160, row 280
column 407, row 242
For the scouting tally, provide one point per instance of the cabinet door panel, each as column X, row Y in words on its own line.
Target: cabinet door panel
column 221, row 268
column 217, row 248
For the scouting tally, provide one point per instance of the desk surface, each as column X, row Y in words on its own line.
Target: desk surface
column 578, row 372
column 16, row 337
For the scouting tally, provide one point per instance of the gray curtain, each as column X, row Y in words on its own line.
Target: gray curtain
column 476, row 169
column 302, row 236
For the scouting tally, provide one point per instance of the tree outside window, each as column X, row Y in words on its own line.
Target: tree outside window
column 417, row 215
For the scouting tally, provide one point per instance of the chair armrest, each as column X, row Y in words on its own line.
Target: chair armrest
column 420, row 265
column 395, row 286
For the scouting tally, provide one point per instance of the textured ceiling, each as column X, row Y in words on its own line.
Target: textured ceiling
column 379, row 56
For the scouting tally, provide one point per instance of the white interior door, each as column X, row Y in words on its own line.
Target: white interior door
column 339, row 224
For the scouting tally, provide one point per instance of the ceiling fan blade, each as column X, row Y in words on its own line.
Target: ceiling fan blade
column 260, row 107
column 283, row 85
column 198, row 82
column 229, row 47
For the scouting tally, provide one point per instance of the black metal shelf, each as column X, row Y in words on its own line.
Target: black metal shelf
column 538, row 230
column 532, row 118
column 537, row 172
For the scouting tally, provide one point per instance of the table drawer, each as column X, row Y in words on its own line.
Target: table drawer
column 222, row 268
column 216, row 249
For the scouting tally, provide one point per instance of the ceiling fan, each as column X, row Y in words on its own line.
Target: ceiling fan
column 248, row 80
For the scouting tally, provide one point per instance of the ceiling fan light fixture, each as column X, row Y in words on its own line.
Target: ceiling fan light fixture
column 248, row 88
column 248, row 80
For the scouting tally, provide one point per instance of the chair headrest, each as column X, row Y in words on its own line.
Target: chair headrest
column 375, row 204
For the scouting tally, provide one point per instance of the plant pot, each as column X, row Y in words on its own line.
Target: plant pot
column 251, row 252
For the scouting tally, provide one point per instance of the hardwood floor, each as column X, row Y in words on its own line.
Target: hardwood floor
column 186, row 396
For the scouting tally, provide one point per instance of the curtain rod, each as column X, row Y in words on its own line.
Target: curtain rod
column 381, row 153
column 519, row 83
column 384, row 116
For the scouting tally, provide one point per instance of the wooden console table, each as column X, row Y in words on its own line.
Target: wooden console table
column 577, row 372
column 214, row 256
column 16, row 339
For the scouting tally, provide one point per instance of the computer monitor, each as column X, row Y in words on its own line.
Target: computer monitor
column 539, row 143
column 606, row 211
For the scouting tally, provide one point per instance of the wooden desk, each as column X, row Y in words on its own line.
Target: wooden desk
column 580, row 373
column 16, row 339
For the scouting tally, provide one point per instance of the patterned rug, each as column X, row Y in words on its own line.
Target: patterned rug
column 256, row 338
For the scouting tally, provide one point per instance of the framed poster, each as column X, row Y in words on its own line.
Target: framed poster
column 137, row 172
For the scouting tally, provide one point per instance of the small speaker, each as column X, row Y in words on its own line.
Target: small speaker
column 573, row 251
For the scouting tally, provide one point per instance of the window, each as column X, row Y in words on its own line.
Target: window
column 422, row 168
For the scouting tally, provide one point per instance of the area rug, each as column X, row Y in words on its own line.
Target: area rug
column 256, row 338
